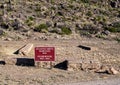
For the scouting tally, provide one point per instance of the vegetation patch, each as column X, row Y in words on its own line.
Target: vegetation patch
column 2, row 33
column 38, row 8
column 85, row 1
column 89, row 13
column 118, row 39
column 100, row 18
column 4, row 25
column 29, row 21
column 85, row 33
column 115, row 27
column 100, row 36
column 41, row 27
column 66, row 30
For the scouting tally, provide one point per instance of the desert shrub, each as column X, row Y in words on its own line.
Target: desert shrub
column 66, row 30
column 114, row 27
column 56, row 30
column 89, row 13
column 2, row 33
column 29, row 21
column 99, row 18
column 72, row 1
column 38, row 8
column 118, row 39
column 41, row 27
column 85, row 1
column 71, row 6
column 84, row 33
column 52, row 1
column 4, row 25
column 1, row 12
column 116, row 24
column 91, row 29
column 31, row 18
column 100, row 36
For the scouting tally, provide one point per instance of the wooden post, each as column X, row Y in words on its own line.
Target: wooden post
column 37, row 64
column 50, row 64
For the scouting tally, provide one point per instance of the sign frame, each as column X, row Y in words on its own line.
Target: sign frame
column 44, row 54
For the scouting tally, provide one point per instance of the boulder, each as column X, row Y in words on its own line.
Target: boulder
column 49, row 23
column 106, row 32
column 113, row 71
column 16, row 24
column 113, row 4
column 60, row 24
column 8, row 39
column 107, row 69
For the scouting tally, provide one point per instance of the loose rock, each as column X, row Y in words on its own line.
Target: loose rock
column 8, row 39
column 83, row 65
column 113, row 71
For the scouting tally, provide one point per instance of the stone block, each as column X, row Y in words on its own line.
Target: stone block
column 26, row 49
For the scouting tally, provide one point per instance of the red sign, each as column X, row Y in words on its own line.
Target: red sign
column 44, row 53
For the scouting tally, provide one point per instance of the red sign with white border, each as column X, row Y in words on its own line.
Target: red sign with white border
column 44, row 54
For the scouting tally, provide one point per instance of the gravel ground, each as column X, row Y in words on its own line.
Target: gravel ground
column 107, row 53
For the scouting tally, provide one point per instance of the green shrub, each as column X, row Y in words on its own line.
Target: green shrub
column 41, row 27
column 98, row 18
column 100, row 36
column 89, row 13
column 29, row 21
column 115, row 27
column 2, row 33
column 52, row 1
column 117, row 24
column 71, row 1
column 31, row 18
column 1, row 13
column 66, row 30
column 84, row 33
column 71, row 6
column 85, row 1
column 38, row 8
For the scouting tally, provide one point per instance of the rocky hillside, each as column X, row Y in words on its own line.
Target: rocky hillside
column 40, row 19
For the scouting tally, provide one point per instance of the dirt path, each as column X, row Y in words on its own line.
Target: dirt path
column 115, row 81
column 107, row 53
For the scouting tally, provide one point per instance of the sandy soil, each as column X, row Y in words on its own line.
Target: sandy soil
column 107, row 53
